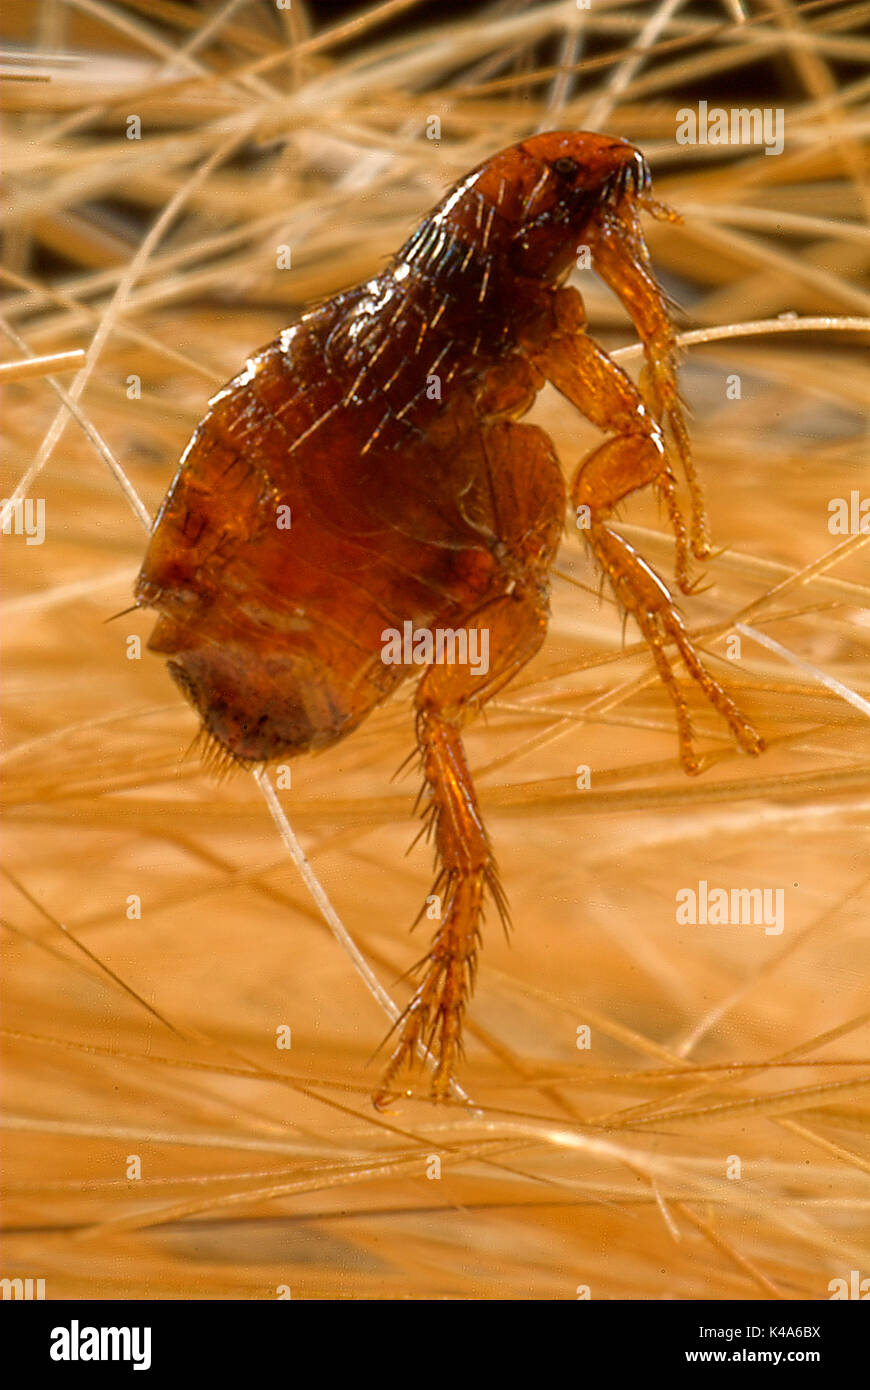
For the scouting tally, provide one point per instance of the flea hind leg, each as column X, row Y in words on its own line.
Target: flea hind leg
column 518, row 502
column 467, row 873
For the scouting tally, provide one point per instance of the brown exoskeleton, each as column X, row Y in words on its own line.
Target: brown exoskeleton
column 383, row 429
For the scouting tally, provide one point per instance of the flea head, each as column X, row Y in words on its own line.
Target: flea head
column 552, row 189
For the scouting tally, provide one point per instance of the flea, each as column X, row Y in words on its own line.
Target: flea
column 367, row 474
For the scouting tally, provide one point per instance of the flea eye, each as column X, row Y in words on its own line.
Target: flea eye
column 566, row 167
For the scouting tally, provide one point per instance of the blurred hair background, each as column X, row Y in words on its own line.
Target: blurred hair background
column 711, row 1140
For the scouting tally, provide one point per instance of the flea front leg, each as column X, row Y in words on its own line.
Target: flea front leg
column 467, row 873
column 602, row 391
column 635, row 458
column 620, row 466
column 621, row 258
